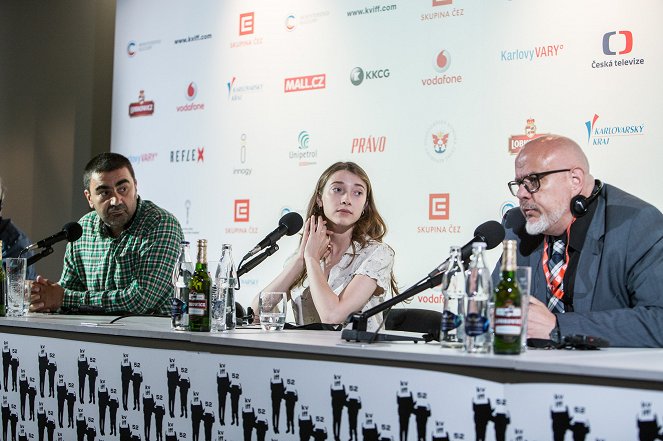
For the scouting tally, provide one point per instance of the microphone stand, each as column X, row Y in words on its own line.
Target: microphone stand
column 36, row 257
column 248, row 266
column 359, row 320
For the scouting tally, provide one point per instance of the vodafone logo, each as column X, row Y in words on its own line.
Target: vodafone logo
column 309, row 82
column 442, row 61
column 191, row 91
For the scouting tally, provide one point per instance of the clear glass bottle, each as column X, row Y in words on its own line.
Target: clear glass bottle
column 508, row 311
column 223, row 310
column 200, row 287
column 3, row 298
column 453, row 288
column 478, row 302
column 181, row 275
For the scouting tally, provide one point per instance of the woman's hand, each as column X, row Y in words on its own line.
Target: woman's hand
column 317, row 246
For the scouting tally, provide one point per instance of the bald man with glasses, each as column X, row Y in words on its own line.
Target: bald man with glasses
column 596, row 252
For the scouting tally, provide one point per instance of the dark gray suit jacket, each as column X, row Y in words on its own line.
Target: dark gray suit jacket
column 618, row 291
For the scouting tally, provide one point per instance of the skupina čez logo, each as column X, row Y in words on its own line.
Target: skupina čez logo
column 440, row 141
column 517, row 142
column 142, row 107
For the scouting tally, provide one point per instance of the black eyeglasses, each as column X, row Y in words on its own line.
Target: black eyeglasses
column 532, row 182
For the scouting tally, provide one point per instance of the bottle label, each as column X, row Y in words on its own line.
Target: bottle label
column 476, row 325
column 508, row 321
column 178, row 307
column 197, row 304
column 450, row 321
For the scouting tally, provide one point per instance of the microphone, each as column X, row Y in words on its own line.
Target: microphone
column 289, row 224
column 490, row 232
column 71, row 231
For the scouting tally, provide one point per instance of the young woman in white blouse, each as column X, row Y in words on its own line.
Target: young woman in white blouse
column 342, row 266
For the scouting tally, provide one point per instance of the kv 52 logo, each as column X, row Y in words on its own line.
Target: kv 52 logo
column 619, row 39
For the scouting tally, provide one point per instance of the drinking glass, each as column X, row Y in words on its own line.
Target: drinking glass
column 272, row 310
column 15, row 270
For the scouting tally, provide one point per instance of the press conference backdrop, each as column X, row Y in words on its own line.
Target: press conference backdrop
column 229, row 111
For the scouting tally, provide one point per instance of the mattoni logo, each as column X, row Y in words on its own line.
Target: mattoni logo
column 246, row 23
column 602, row 135
column 369, row 144
column 142, row 107
column 438, row 206
column 517, row 142
column 242, row 210
column 625, row 44
column 440, row 141
column 303, row 154
column 190, row 95
column 357, row 75
column 195, row 154
column 304, row 83
column 441, row 64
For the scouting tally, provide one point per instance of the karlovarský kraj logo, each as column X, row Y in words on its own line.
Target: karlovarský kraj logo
column 603, row 135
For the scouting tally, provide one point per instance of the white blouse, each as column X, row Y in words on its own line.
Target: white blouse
column 375, row 260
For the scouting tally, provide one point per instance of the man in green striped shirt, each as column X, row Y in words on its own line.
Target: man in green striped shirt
column 123, row 263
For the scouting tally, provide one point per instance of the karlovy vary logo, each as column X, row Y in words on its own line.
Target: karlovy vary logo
column 441, row 64
column 532, row 53
column 141, row 108
column 602, row 135
column 190, row 95
column 517, row 142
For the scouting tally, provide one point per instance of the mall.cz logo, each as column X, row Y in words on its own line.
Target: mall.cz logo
column 625, row 47
column 196, row 154
column 242, row 210
column 309, row 82
column 372, row 10
column 358, row 75
column 438, row 206
column 191, row 93
column 601, row 135
column 370, row 144
column 246, row 23
column 142, row 107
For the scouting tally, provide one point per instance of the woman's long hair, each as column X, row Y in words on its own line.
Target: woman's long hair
column 370, row 225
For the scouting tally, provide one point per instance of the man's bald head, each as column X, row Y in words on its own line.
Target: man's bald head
column 555, row 151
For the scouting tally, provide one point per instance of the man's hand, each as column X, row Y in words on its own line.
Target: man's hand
column 46, row 296
column 540, row 321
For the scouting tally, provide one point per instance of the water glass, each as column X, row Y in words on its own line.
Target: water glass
column 523, row 279
column 15, row 271
column 272, row 310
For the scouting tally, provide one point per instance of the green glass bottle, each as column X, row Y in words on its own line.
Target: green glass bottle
column 200, row 286
column 3, row 279
column 508, row 311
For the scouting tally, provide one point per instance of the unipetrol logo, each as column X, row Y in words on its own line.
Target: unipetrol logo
column 358, row 75
column 290, row 22
column 506, row 206
column 617, row 42
column 308, row 82
column 440, row 141
column 246, row 23
column 242, row 210
column 141, row 108
column 131, row 48
column 599, row 135
column 438, row 206
column 303, row 154
column 190, row 94
column 190, row 155
column 369, row 144
column 517, row 142
column 236, row 90
column 441, row 64
column 533, row 53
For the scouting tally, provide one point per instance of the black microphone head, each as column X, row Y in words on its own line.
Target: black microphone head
column 293, row 222
column 73, row 231
column 491, row 232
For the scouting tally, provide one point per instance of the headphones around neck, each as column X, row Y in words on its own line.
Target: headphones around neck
column 580, row 204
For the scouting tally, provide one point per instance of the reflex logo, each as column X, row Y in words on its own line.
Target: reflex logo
column 440, row 141
column 142, row 107
column 602, row 135
column 517, row 142
column 246, row 23
column 624, row 44
column 196, row 154
column 309, row 82
column 438, row 206
column 242, row 210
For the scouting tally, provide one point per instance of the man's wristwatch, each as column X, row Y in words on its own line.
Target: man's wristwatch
column 555, row 335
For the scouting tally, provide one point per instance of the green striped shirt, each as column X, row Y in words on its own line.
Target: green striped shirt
column 129, row 273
